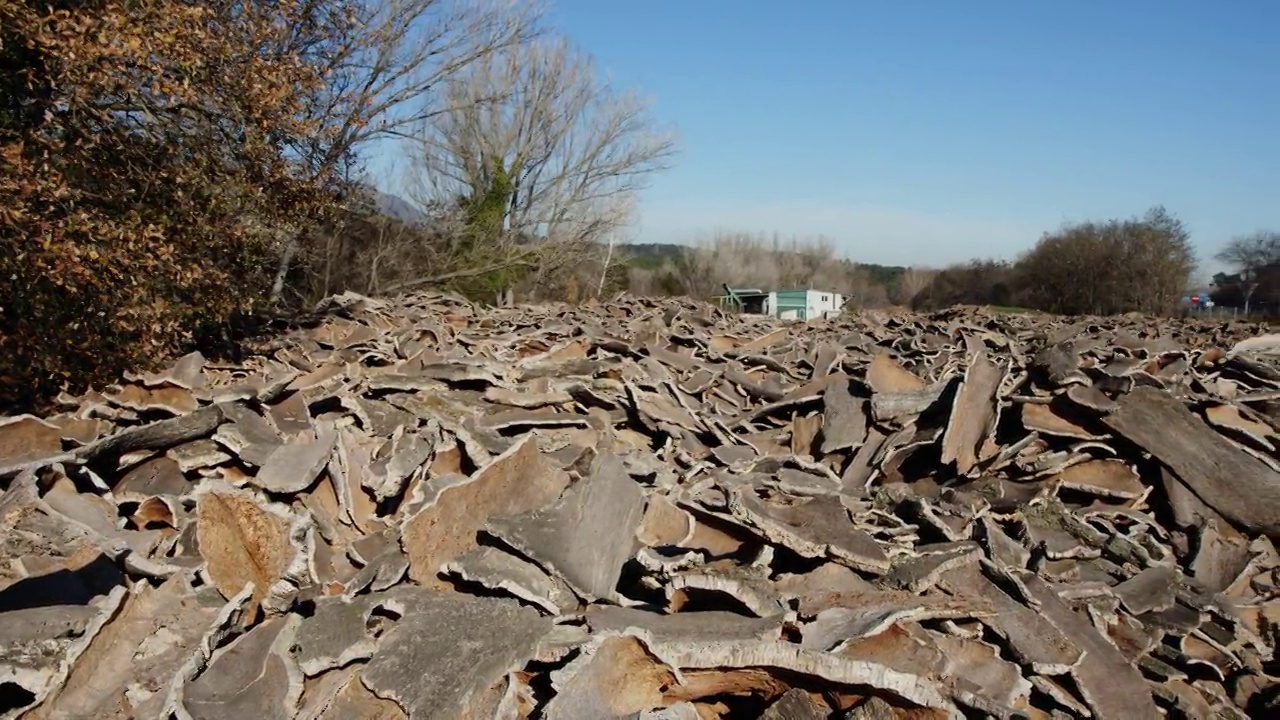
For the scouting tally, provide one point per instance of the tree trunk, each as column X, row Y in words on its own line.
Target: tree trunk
column 286, row 259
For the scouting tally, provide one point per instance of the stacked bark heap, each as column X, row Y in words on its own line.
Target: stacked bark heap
column 641, row 509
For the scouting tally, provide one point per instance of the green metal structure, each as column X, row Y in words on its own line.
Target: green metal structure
column 742, row 300
column 792, row 300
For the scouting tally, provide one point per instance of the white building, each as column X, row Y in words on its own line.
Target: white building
column 803, row 304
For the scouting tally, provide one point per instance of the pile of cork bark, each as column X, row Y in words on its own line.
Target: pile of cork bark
column 420, row 508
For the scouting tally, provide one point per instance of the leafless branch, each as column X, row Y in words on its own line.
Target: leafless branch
column 455, row 275
column 387, row 62
column 574, row 150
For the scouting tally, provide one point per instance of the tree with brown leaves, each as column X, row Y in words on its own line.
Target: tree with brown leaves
column 1138, row 264
column 146, row 170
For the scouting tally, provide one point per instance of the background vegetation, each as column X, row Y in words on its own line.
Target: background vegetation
column 169, row 170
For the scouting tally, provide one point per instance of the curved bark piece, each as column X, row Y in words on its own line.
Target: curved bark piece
column 253, row 677
column 1230, row 481
column 587, row 535
column 246, row 540
column 448, row 649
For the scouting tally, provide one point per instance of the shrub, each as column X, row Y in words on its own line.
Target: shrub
column 143, row 170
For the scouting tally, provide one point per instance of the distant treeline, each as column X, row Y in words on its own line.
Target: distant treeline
column 1143, row 263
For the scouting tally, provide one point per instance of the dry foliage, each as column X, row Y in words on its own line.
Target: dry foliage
column 761, row 261
column 1138, row 264
column 1141, row 264
column 145, row 169
column 911, row 283
column 1252, row 252
column 977, row 282
column 169, row 165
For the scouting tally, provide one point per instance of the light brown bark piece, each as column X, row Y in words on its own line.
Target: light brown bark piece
column 969, row 671
column 748, row 585
column 39, row 643
column 49, row 559
column 886, row 375
column 337, row 633
column 796, row 704
column 245, row 539
column 1109, row 683
column 1091, row 398
column 813, row 527
column 874, row 612
column 445, row 525
column 249, row 435
column 124, row 672
column 664, row 524
column 197, row 454
column 1048, row 420
column 614, row 678
column 703, row 625
column 804, row 434
column 828, row 586
column 291, row 416
column 1031, row 638
column 789, row 658
column 1060, row 364
column 26, row 439
column 1222, row 555
column 174, row 400
column 844, row 418
column 294, row 466
column 79, row 430
column 873, row 708
column 1230, row 419
column 1103, row 478
column 920, row 571
column 1152, row 590
column 897, row 406
column 502, row 571
column 340, row 695
column 974, row 414
column 587, row 535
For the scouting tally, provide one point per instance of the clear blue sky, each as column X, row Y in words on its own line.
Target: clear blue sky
column 932, row 131
column 935, row 130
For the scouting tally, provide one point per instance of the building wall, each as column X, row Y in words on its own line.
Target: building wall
column 791, row 304
column 821, row 303
column 802, row 304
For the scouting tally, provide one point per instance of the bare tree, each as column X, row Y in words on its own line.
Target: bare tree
column 698, row 272
column 911, row 283
column 550, row 152
column 385, row 62
column 1250, row 253
column 768, row 263
column 807, row 262
column 642, row 281
column 861, row 291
